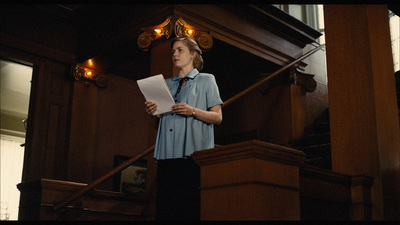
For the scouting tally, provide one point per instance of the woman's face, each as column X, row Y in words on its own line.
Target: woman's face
column 181, row 56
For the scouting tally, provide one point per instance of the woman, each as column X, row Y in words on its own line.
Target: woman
column 188, row 128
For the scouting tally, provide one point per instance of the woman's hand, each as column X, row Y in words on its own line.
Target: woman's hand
column 211, row 116
column 182, row 109
column 150, row 107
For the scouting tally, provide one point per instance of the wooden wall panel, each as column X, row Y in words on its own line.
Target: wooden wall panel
column 362, row 101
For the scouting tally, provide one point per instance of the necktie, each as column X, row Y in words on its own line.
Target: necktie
column 180, row 85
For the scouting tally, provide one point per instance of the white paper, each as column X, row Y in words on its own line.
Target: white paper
column 155, row 89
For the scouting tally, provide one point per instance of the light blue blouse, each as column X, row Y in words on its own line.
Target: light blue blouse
column 179, row 136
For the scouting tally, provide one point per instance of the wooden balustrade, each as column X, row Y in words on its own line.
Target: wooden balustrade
column 38, row 198
column 103, row 178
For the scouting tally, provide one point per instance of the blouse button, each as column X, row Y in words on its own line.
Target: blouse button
column 170, row 129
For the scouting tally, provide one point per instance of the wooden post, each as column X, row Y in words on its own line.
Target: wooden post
column 364, row 120
column 252, row 180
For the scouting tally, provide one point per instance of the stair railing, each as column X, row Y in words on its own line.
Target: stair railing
column 151, row 148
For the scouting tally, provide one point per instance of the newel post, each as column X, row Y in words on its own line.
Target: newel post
column 251, row 180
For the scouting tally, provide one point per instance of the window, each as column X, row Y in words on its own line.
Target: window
column 312, row 15
column 394, row 23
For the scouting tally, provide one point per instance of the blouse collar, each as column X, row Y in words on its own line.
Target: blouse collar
column 192, row 74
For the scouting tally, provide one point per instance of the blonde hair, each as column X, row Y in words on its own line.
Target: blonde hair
column 193, row 47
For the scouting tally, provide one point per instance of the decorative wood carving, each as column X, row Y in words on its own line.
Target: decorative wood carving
column 303, row 79
column 174, row 26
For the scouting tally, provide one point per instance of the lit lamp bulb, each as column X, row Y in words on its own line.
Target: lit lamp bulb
column 158, row 31
column 89, row 74
column 190, row 32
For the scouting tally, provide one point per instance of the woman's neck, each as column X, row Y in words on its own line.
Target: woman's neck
column 185, row 71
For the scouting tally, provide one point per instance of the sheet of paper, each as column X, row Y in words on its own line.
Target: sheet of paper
column 155, row 89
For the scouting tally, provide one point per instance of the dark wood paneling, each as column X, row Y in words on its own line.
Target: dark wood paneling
column 49, row 29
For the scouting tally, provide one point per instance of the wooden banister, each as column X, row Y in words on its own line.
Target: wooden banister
column 244, row 92
column 150, row 149
column 103, row 178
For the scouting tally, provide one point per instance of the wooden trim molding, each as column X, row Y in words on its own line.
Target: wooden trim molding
column 37, row 49
column 250, row 149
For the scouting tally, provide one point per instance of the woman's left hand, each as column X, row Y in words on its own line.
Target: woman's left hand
column 182, row 109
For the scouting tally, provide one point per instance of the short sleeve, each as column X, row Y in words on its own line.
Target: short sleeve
column 212, row 93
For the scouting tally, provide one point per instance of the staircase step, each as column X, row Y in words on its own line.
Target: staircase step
column 317, row 147
column 317, row 139
column 322, row 127
column 321, row 162
column 315, row 151
column 318, row 156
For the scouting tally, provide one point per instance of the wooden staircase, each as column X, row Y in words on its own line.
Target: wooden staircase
column 317, row 145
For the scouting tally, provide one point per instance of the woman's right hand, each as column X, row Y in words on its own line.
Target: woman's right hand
column 150, row 107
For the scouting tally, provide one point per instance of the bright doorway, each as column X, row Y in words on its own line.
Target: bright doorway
column 14, row 104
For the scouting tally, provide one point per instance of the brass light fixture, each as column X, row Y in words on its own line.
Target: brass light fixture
column 179, row 28
column 87, row 75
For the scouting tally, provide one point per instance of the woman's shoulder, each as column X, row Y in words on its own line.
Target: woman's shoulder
column 206, row 76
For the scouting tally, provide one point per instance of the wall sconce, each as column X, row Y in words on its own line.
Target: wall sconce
column 174, row 26
column 89, row 75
